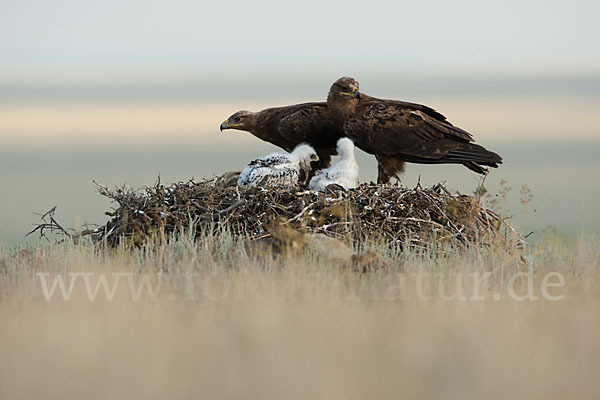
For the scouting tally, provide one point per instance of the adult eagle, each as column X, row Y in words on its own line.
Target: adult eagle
column 286, row 127
column 397, row 132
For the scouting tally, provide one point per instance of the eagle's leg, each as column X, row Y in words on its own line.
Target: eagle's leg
column 399, row 170
column 382, row 176
column 388, row 167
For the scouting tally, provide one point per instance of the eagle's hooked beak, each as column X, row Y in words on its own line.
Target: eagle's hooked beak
column 227, row 125
column 354, row 94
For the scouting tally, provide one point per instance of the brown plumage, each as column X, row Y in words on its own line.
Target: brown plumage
column 397, row 132
column 286, row 127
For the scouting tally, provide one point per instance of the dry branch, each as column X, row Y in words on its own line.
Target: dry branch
column 400, row 216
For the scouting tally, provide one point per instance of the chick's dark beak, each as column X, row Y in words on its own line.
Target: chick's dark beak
column 224, row 125
column 356, row 95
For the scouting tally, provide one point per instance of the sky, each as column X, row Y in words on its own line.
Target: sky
column 158, row 39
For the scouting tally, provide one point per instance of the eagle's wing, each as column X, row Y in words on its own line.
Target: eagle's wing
column 419, row 107
column 327, row 175
column 311, row 123
column 394, row 127
column 271, row 160
column 344, row 177
column 281, row 174
column 308, row 122
column 269, row 167
column 334, row 173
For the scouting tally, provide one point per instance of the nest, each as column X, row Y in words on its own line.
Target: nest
column 395, row 215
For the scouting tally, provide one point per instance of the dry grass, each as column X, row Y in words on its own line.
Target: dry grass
column 224, row 325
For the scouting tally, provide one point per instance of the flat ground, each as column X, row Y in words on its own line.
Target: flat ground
column 217, row 324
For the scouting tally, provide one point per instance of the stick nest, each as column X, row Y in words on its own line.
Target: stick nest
column 395, row 215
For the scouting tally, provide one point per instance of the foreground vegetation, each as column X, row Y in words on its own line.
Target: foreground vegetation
column 210, row 318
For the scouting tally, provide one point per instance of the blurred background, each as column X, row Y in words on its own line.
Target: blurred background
column 122, row 91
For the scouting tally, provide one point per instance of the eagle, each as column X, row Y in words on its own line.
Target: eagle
column 278, row 168
column 343, row 173
column 397, row 132
column 288, row 126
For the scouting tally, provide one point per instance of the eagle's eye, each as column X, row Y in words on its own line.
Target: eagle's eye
column 236, row 119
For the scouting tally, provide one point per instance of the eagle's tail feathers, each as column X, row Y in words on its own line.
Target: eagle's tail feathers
column 477, row 154
column 473, row 166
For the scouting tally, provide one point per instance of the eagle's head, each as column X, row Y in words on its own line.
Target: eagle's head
column 345, row 88
column 343, row 98
column 345, row 148
column 304, row 155
column 240, row 120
